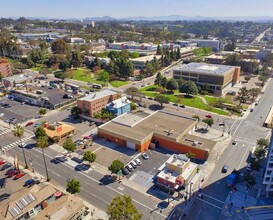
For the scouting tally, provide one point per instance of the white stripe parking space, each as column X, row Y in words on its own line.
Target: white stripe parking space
column 15, row 143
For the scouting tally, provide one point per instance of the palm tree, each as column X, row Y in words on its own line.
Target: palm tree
column 42, row 143
column 18, row 131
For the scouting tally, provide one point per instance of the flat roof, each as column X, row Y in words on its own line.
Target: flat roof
column 118, row 103
column 205, row 68
column 145, row 58
column 98, row 95
column 64, row 129
column 136, row 127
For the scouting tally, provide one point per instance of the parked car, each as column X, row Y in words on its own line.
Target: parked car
column 234, row 142
column 2, row 162
column 175, row 104
column 225, row 168
column 19, row 175
column 88, row 137
column 150, row 98
column 6, row 166
column 37, row 124
column 222, row 124
column 29, row 123
column 129, row 167
column 22, row 145
column 252, row 109
column 13, row 173
column 125, row 171
column 138, row 162
column 82, row 167
column 29, row 183
column 208, row 116
column 133, row 164
column 182, row 106
column 59, row 159
column 2, row 114
column 145, row 156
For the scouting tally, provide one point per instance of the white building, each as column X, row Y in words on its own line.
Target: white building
column 139, row 63
column 77, row 40
column 268, row 175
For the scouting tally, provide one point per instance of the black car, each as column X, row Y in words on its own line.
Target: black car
column 82, row 167
column 150, row 98
column 175, row 104
column 59, row 159
column 125, row 171
column 65, row 96
column 6, row 166
column 182, row 106
column 225, row 168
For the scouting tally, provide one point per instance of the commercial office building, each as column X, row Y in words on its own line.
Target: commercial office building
column 219, row 78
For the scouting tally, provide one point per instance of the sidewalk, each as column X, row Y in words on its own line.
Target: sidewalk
column 95, row 213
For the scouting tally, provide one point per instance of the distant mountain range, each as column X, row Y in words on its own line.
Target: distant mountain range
column 166, row 18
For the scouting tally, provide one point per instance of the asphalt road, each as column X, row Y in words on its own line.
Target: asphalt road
column 92, row 190
column 246, row 132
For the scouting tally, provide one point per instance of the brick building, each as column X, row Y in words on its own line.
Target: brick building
column 5, row 68
column 141, row 131
column 92, row 104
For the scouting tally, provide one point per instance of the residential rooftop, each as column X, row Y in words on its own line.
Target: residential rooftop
column 205, row 68
column 98, row 95
column 118, row 103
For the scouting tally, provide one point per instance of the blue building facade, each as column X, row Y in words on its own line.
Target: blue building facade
column 119, row 106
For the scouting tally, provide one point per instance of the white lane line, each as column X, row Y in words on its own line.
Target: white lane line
column 209, row 203
column 213, row 198
column 89, row 177
column 246, row 152
column 237, row 127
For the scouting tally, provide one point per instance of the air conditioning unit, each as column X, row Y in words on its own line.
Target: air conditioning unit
column 31, row 212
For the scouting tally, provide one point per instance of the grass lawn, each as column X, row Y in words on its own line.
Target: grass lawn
column 191, row 101
column 83, row 74
column 118, row 83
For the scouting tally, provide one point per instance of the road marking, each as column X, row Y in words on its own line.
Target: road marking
column 89, row 177
column 209, row 203
column 213, row 198
column 237, row 127
column 247, row 151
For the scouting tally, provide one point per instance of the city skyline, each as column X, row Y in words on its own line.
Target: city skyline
column 124, row 9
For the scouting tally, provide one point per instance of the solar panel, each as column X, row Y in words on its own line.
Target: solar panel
column 19, row 204
column 15, row 211
column 31, row 196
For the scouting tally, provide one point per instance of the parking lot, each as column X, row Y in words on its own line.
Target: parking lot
column 17, row 110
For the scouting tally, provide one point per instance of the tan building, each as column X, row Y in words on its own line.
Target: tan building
column 61, row 130
column 178, row 171
column 5, row 68
column 92, row 104
column 42, row 202
column 219, row 78
column 141, row 131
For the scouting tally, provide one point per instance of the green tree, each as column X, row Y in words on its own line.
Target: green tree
column 59, row 46
column 76, row 59
column 196, row 117
column 18, row 132
column 44, row 71
column 42, row 111
column 163, row 82
column 132, row 91
column 159, row 50
column 64, row 64
column 42, row 143
column 20, row 66
column 208, row 121
column 73, row 186
column 89, row 156
column 124, row 54
column 263, row 79
column 69, row 145
column 104, row 76
column 263, row 142
column 254, row 92
column 243, row 95
column 190, row 155
column 158, row 79
column 116, row 166
column 188, row 87
column 250, row 179
column 39, row 132
column 134, row 55
column 230, row 47
column 260, row 152
column 178, row 54
column 123, row 208
column 126, row 69
column 75, row 111
column 172, row 84
column 161, row 99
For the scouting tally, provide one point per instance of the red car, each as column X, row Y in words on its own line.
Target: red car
column 87, row 137
column 208, row 116
column 2, row 162
column 29, row 123
column 13, row 173
column 19, row 175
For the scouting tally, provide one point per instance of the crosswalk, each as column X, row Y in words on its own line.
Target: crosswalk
column 2, row 132
column 16, row 143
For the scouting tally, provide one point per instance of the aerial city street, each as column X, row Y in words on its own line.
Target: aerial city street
column 136, row 110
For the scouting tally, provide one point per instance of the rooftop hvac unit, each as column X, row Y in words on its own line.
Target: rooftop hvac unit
column 195, row 143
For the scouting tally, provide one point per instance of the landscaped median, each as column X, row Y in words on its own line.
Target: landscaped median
column 187, row 100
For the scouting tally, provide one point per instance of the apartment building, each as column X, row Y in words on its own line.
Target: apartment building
column 92, row 104
column 219, row 78
column 139, row 63
column 268, row 174
column 5, row 68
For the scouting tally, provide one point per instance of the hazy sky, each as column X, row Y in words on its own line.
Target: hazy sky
column 128, row 8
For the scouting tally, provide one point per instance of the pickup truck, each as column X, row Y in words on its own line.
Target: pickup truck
column 233, row 178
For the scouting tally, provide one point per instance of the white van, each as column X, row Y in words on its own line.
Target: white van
column 252, row 153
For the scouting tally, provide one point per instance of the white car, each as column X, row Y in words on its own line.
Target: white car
column 2, row 114
column 138, row 162
column 22, row 145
